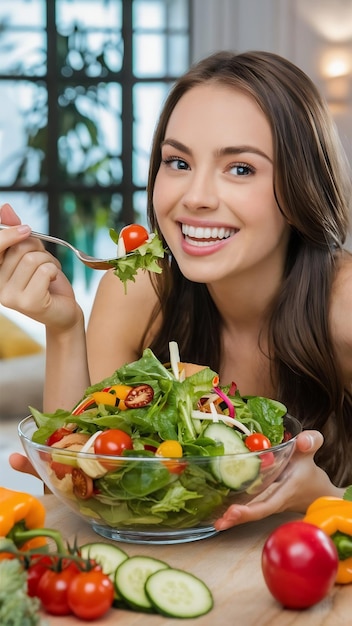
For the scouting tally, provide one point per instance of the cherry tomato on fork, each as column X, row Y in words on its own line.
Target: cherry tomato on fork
column 133, row 236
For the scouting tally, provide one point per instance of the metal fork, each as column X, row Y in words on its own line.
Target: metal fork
column 90, row 261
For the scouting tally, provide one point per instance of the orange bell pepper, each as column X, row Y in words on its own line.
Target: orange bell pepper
column 334, row 516
column 20, row 512
column 22, row 518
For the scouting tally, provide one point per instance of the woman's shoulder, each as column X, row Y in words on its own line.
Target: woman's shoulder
column 119, row 321
column 340, row 314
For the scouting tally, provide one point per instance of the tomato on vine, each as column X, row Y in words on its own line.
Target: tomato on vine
column 90, row 594
column 53, row 587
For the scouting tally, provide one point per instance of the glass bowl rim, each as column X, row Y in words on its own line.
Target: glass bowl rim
column 40, row 447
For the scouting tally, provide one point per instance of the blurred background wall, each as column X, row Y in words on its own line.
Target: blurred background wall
column 314, row 34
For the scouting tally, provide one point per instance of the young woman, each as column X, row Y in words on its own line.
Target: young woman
column 249, row 191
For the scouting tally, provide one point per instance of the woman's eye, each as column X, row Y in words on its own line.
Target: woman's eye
column 241, row 169
column 175, row 163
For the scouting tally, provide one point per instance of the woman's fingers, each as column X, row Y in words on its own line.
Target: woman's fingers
column 309, row 441
column 8, row 215
column 20, row 463
column 299, row 484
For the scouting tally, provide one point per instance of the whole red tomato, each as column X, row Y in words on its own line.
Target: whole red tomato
column 90, row 594
column 52, row 590
column 133, row 235
column 299, row 564
column 39, row 564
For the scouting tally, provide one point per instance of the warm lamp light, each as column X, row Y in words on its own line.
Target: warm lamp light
column 336, row 69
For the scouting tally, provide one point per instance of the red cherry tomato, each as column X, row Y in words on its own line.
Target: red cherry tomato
column 139, row 396
column 52, row 590
column 82, row 484
column 133, row 236
column 90, row 594
column 57, row 435
column 113, row 442
column 39, row 564
column 119, row 392
column 299, row 564
column 257, row 441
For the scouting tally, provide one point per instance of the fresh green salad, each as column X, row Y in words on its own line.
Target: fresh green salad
column 147, row 411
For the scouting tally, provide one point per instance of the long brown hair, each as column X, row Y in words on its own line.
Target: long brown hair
column 311, row 184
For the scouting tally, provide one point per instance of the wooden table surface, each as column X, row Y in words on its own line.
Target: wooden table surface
column 230, row 564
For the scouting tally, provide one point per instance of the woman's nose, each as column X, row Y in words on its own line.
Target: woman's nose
column 201, row 192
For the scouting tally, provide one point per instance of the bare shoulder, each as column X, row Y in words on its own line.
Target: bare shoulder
column 118, row 322
column 341, row 313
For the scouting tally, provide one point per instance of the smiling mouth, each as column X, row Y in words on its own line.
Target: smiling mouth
column 206, row 236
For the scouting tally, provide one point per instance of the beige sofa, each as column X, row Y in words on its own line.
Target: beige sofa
column 22, row 365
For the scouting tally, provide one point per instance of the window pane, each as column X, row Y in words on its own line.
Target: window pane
column 23, row 13
column 90, row 142
column 178, row 54
column 22, row 38
column 100, row 54
column 31, row 206
column 22, row 54
column 149, row 14
column 160, row 14
column 23, row 118
column 149, row 55
column 140, row 207
column 88, row 13
column 86, row 220
column 178, row 16
column 147, row 103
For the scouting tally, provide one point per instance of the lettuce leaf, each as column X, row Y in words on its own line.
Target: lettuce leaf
column 145, row 257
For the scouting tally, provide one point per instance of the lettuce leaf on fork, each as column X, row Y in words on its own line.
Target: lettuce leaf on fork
column 144, row 257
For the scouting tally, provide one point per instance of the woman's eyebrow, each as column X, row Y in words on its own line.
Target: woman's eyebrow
column 176, row 144
column 235, row 150
column 227, row 151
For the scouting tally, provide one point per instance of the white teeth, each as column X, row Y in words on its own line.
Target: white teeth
column 207, row 233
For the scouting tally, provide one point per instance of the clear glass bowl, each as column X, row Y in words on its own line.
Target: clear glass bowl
column 137, row 499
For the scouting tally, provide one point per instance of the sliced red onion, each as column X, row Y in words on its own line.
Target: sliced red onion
column 227, row 400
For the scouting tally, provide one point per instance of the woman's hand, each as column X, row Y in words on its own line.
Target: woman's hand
column 21, row 463
column 301, row 483
column 31, row 280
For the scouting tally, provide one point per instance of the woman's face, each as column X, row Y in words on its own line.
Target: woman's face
column 213, row 195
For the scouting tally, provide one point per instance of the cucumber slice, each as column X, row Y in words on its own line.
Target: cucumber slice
column 235, row 473
column 130, row 579
column 109, row 557
column 176, row 593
